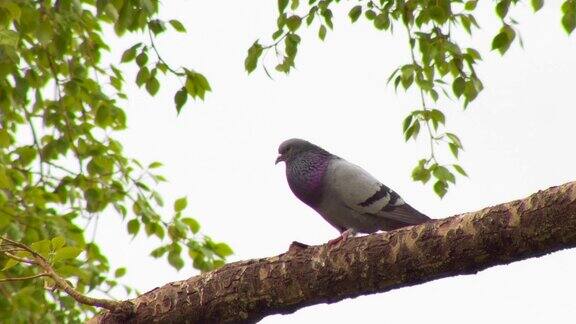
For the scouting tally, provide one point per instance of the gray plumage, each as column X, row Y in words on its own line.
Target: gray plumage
column 345, row 195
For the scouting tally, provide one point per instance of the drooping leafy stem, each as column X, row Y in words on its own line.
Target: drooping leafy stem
column 440, row 188
column 194, row 84
column 431, row 117
column 437, row 61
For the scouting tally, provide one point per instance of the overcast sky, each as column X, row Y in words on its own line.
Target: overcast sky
column 518, row 135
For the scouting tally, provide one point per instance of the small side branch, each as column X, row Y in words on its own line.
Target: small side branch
column 24, row 278
column 124, row 308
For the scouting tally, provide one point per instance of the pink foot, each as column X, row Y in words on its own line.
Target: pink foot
column 335, row 243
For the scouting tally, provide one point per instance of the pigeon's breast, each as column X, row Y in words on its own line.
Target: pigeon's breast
column 305, row 177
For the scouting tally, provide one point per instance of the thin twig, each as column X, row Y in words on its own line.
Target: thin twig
column 19, row 259
column 70, row 172
column 43, row 274
column 160, row 57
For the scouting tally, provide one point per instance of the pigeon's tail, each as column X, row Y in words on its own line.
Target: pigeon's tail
column 403, row 215
column 413, row 216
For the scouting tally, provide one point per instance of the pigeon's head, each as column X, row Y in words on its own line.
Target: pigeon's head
column 292, row 148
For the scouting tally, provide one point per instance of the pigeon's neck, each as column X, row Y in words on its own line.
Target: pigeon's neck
column 305, row 176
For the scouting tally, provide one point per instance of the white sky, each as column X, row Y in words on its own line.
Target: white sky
column 519, row 138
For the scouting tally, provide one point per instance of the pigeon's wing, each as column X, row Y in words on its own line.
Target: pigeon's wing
column 363, row 193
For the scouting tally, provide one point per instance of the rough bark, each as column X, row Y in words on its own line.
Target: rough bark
column 247, row 291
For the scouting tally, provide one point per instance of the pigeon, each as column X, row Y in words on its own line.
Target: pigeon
column 344, row 194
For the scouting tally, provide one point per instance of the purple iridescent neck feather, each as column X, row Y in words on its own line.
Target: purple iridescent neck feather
column 305, row 174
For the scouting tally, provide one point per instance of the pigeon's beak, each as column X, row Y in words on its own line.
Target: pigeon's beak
column 279, row 159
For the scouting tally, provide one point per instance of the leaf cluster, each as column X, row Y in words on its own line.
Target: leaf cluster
column 61, row 166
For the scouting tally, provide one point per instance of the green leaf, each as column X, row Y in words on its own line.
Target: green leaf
column 382, row 21
column 407, row 122
column 458, row 86
column 157, row 26
column 470, row 91
column 154, row 165
column 435, row 96
column 503, row 40
column 471, row 5
column 440, row 188
column 120, row 272
column 466, row 23
column 282, row 4
column 293, row 23
column 111, row 11
column 180, row 204
column 437, row 116
column 159, row 231
column 103, row 116
column 42, row 247
column 12, row 8
column 277, row 34
column 412, row 131
column 500, row 41
column 407, row 80
column 58, row 242
column 420, row 173
column 67, row 252
column 537, row 4
column 142, row 76
column 322, row 32
column 177, row 25
column 295, row 4
column 569, row 20
column 180, row 98
column 355, row 13
column 311, row 15
column 473, row 53
column 438, row 14
column 9, row 264
column 175, row 260
column 192, row 224
column 454, row 149
column 4, row 138
column 133, row 226
column 5, row 181
column 5, row 220
column 130, row 53
column 223, row 250
column 152, row 86
column 196, row 84
column 142, row 59
column 454, row 139
column 502, row 8
column 281, row 21
column 251, row 60
column 158, row 252
column 218, row 263
column 459, row 169
column 370, row 15
column 442, row 173
column 327, row 15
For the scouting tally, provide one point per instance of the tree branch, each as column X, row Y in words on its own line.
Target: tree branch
column 119, row 308
column 247, row 291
